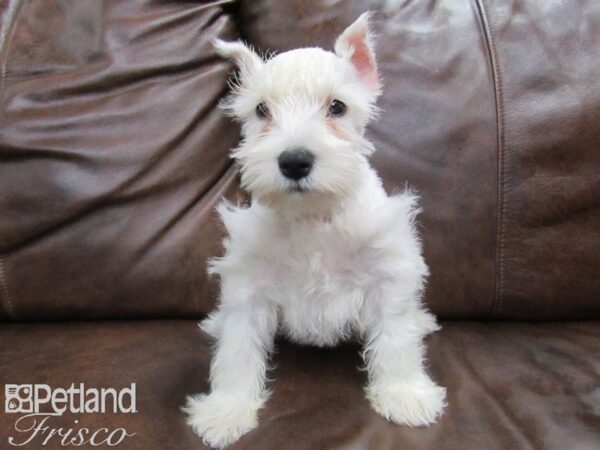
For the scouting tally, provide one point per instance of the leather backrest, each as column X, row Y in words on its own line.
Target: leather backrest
column 491, row 111
column 546, row 66
column 436, row 132
column 113, row 152
column 112, row 156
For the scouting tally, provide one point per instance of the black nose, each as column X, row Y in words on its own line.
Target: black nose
column 296, row 164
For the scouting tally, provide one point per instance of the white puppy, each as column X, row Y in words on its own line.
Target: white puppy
column 323, row 254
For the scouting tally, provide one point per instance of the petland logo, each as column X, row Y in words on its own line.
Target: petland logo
column 39, row 403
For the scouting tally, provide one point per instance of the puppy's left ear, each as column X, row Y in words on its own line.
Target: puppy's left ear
column 356, row 45
column 244, row 57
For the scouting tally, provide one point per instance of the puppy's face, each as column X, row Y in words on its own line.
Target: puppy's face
column 303, row 115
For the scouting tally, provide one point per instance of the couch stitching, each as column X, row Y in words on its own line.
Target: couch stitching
column 13, row 10
column 7, row 31
column 500, row 126
column 5, row 294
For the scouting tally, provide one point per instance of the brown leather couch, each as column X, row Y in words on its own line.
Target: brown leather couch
column 113, row 154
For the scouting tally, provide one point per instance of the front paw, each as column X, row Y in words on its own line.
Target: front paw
column 220, row 419
column 416, row 403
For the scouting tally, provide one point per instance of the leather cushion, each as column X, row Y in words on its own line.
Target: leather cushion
column 509, row 385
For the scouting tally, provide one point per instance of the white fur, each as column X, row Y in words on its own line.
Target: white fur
column 338, row 260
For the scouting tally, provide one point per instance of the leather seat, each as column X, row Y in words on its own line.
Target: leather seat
column 113, row 155
column 510, row 385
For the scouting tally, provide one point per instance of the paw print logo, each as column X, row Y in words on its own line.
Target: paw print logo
column 18, row 398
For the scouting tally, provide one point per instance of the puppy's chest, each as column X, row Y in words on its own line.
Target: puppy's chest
column 321, row 260
column 320, row 280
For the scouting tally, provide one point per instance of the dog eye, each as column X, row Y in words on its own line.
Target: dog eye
column 337, row 108
column 262, row 111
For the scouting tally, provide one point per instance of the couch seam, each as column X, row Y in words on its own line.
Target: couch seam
column 5, row 294
column 489, row 33
column 5, row 37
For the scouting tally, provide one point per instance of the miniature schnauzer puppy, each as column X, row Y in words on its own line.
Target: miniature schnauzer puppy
column 323, row 254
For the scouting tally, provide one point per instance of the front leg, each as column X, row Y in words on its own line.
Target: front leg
column 244, row 329
column 399, row 388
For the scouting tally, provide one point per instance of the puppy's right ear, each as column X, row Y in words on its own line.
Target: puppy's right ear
column 244, row 57
column 355, row 44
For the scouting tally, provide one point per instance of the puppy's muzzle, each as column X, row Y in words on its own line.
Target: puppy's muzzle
column 296, row 164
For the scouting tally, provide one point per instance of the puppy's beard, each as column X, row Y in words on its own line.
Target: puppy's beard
column 324, row 192
column 299, row 201
column 300, row 187
column 305, row 204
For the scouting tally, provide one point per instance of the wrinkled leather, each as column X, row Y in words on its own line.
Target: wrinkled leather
column 509, row 385
column 491, row 112
column 548, row 92
column 113, row 152
column 113, row 155
column 436, row 132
